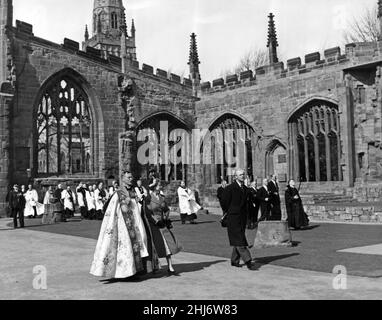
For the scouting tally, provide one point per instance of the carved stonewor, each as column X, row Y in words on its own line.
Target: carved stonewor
column 127, row 143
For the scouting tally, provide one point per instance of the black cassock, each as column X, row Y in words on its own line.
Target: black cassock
column 265, row 206
column 275, row 201
column 220, row 196
column 253, row 208
column 297, row 217
column 235, row 199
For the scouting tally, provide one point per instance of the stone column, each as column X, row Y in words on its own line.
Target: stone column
column 347, row 128
column 5, row 101
column 327, row 149
column 127, row 140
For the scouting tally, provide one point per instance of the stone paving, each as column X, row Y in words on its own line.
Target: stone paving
column 67, row 261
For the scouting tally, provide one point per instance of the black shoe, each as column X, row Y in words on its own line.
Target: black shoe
column 237, row 265
column 251, row 266
column 172, row 273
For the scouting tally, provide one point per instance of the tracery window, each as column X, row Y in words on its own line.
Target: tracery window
column 315, row 137
column 169, row 171
column 221, row 167
column 64, row 130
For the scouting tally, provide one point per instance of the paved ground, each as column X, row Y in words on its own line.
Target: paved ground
column 316, row 249
column 67, row 259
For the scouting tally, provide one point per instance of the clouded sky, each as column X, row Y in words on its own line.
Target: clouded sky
column 226, row 29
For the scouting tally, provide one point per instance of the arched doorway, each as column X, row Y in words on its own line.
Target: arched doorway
column 315, row 142
column 163, row 125
column 276, row 160
column 232, row 146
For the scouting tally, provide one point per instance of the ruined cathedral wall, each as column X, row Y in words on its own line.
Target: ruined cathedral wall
column 267, row 101
column 38, row 60
column 162, row 92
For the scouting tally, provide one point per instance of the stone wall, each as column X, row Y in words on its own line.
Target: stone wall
column 39, row 62
column 267, row 102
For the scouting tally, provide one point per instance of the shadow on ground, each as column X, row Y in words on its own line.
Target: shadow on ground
column 317, row 246
column 268, row 260
column 180, row 269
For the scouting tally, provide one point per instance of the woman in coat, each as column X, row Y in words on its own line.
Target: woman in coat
column 188, row 206
column 297, row 218
column 157, row 213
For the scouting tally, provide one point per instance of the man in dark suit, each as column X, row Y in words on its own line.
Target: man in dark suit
column 17, row 205
column 263, row 197
column 275, row 201
column 221, row 192
column 235, row 198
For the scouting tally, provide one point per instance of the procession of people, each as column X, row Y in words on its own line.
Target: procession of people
column 135, row 233
column 136, row 229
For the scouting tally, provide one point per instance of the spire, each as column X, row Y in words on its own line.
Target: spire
column 272, row 40
column 133, row 29
column 380, row 19
column 86, row 33
column 194, row 65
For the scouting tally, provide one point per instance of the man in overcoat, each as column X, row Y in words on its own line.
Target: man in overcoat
column 263, row 196
column 234, row 203
column 17, row 205
column 275, row 201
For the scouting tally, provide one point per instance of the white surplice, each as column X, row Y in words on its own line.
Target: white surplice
column 187, row 202
column 122, row 241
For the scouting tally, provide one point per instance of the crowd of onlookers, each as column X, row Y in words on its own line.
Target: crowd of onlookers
column 59, row 204
column 264, row 202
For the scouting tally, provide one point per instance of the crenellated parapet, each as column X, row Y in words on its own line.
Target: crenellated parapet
column 355, row 53
column 24, row 31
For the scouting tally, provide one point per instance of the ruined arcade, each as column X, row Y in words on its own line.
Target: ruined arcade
column 64, row 108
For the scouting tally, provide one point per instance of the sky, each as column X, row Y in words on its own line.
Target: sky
column 225, row 29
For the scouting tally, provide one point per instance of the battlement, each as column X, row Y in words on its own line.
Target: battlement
column 24, row 31
column 354, row 53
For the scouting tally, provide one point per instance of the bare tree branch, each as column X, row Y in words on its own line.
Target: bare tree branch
column 251, row 60
column 364, row 28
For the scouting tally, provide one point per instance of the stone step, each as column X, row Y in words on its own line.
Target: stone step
column 347, row 212
column 77, row 217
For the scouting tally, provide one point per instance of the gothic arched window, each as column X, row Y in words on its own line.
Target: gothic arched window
column 114, row 20
column 63, row 130
column 168, row 171
column 234, row 134
column 317, row 152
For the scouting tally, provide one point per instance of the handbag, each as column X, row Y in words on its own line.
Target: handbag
column 223, row 221
column 174, row 245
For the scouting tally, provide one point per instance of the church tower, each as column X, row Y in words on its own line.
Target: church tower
column 108, row 19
